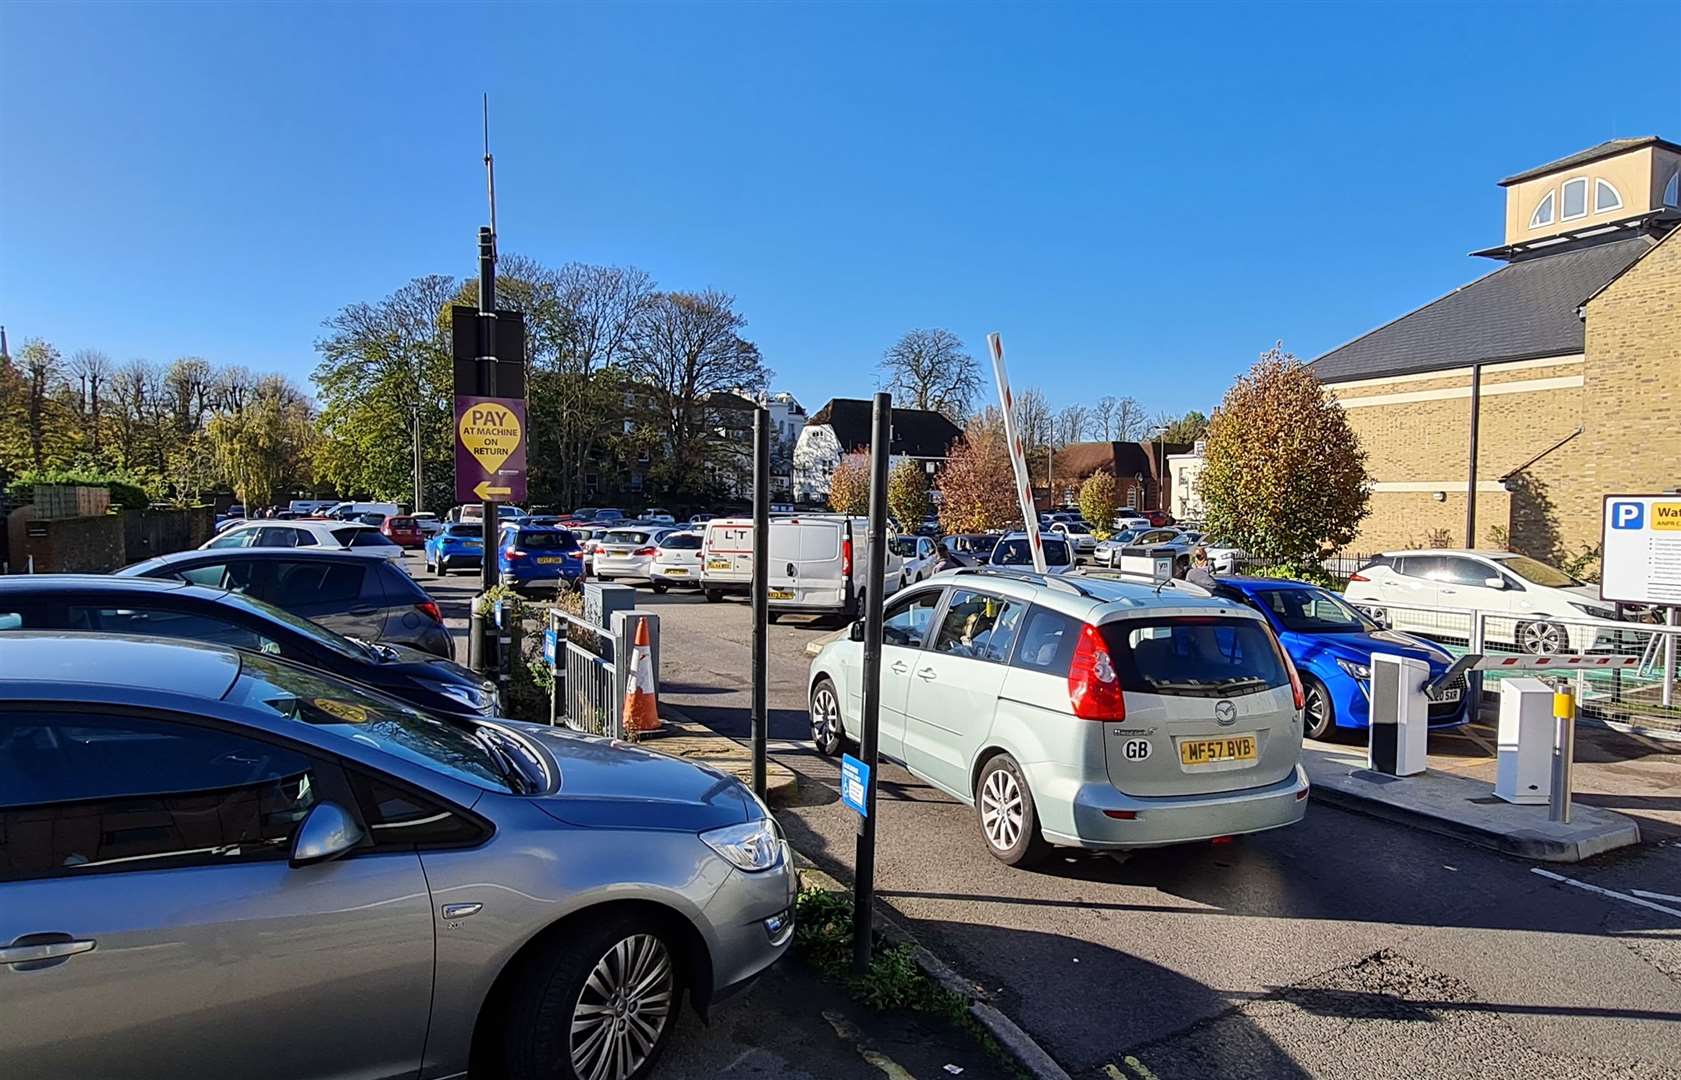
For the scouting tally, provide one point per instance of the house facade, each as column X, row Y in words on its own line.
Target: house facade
column 1140, row 470
column 1501, row 413
column 845, row 424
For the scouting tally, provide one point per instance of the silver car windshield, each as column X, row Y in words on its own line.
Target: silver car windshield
column 383, row 723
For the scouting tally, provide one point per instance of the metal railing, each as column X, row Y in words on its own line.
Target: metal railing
column 588, row 690
column 1644, row 696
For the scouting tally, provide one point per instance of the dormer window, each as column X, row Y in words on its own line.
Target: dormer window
column 1575, row 199
column 1672, row 190
column 1605, row 197
column 1543, row 214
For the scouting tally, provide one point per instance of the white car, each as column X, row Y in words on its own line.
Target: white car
column 1528, row 604
column 1077, row 711
column 1147, row 544
column 1077, row 533
column 1126, row 519
column 325, row 535
column 428, row 523
column 921, row 557
column 655, row 516
column 1013, row 551
column 627, row 552
column 676, row 560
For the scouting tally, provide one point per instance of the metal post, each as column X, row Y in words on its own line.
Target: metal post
column 761, row 593
column 1471, row 486
column 489, row 565
column 504, row 652
column 1668, row 692
column 556, row 668
column 1474, row 679
column 419, row 466
column 1564, row 756
column 864, row 866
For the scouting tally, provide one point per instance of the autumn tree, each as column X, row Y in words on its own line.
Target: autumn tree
column 849, row 486
column 1284, row 477
column 978, row 484
column 929, row 369
column 1097, row 502
column 907, row 493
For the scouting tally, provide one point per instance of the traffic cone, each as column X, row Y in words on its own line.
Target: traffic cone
column 642, row 711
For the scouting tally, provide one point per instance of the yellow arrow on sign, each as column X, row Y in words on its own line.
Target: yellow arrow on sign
column 485, row 490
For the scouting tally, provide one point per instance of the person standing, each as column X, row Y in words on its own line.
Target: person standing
column 1201, row 572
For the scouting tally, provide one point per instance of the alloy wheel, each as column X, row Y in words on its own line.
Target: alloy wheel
column 1542, row 639
column 1317, row 713
column 1001, row 809
column 825, row 719
column 623, row 1009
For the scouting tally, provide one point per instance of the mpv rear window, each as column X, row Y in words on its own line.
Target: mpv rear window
column 1194, row 656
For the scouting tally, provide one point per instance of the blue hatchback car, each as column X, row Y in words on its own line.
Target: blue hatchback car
column 539, row 556
column 455, row 546
column 1331, row 643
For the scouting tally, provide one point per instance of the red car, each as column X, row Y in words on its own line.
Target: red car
column 404, row 530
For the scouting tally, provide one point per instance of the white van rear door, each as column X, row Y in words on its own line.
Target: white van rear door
column 806, row 563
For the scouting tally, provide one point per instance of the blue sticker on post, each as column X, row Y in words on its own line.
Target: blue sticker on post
column 551, row 642
column 854, row 782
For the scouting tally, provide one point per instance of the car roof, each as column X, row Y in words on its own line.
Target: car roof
column 1092, row 599
column 57, row 583
column 67, row 658
column 1450, row 551
column 253, row 554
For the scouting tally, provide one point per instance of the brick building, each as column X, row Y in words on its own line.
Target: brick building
column 1563, row 367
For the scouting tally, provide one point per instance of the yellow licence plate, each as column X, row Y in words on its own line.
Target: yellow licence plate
column 1208, row 751
column 781, row 594
column 717, row 564
column 677, row 571
column 548, row 560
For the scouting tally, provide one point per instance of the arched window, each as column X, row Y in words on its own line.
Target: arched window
column 1575, row 199
column 1543, row 214
column 1672, row 190
column 1605, row 197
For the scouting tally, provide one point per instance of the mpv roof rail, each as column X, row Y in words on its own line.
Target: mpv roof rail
column 1179, row 584
column 1053, row 581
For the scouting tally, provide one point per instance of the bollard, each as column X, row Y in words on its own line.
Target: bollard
column 1564, row 756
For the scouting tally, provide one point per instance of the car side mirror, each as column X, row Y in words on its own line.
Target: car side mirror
column 327, row 832
column 1494, row 583
column 855, row 632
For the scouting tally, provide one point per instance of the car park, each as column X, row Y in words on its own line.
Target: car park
column 627, row 551
column 1077, row 711
column 349, row 592
column 173, row 609
column 1077, row 533
column 403, row 530
column 458, row 545
column 920, row 555
column 1331, row 643
column 1526, row 604
column 535, row 556
column 1014, row 549
column 970, row 549
column 676, row 560
column 197, row 828
column 331, row 535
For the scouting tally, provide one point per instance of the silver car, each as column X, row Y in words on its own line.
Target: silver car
column 219, row 863
column 1079, row 711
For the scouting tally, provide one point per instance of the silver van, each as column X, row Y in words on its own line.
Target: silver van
column 1078, row 711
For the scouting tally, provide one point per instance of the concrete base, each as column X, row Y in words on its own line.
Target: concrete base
column 1465, row 809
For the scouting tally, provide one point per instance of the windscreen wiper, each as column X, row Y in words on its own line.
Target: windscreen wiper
column 511, row 771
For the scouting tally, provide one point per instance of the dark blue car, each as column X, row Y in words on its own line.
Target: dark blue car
column 539, row 556
column 457, row 546
column 1331, row 643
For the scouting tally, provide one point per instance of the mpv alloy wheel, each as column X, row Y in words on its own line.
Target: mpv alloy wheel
column 1008, row 820
column 826, row 726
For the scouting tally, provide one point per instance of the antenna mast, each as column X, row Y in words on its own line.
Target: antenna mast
column 489, row 174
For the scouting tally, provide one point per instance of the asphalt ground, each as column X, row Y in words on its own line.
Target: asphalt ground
column 1341, row 947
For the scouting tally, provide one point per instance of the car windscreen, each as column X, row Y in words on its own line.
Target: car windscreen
column 1194, row 656
column 1015, row 552
column 1313, row 611
column 904, row 546
column 546, row 540
column 383, row 723
column 625, row 536
column 313, row 630
column 1125, row 536
column 1538, row 573
column 1077, row 529
column 681, row 542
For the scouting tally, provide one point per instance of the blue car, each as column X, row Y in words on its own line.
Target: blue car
column 539, row 556
column 1331, row 643
column 455, row 547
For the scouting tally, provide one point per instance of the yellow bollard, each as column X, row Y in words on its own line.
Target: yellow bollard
column 1564, row 756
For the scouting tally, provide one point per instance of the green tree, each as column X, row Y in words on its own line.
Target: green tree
column 1284, row 476
column 849, row 486
column 907, row 493
column 1185, row 429
column 1097, row 502
column 263, row 450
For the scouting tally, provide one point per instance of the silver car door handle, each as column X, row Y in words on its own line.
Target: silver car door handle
column 46, row 950
column 898, row 667
column 461, row 911
column 925, row 673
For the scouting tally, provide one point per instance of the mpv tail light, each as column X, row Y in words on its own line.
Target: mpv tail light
column 429, row 608
column 1094, row 687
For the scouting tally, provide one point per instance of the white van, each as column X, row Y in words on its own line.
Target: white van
column 726, row 557
column 346, row 510
column 819, row 563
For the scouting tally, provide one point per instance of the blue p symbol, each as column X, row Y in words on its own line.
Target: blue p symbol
column 1628, row 515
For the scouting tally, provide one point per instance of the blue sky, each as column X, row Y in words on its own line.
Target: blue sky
column 1139, row 197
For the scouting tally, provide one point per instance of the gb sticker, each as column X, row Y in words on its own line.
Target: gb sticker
column 1135, row 749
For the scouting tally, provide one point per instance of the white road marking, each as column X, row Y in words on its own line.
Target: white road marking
column 1655, row 895
column 1605, row 892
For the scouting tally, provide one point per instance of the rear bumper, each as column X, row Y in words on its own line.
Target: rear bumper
column 521, row 582
column 1184, row 819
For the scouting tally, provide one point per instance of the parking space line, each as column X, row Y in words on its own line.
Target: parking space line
column 1656, row 895
column 1615, row 895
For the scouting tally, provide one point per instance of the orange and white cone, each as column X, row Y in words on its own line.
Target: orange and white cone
column 642, row 711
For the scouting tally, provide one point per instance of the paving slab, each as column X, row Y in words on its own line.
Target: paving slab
column 1465, row 808
column 683, row 738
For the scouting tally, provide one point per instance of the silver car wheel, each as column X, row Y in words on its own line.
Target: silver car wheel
column 1001, row 808
column 825, row 718
column 1542, row 638
column 623, row 1009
